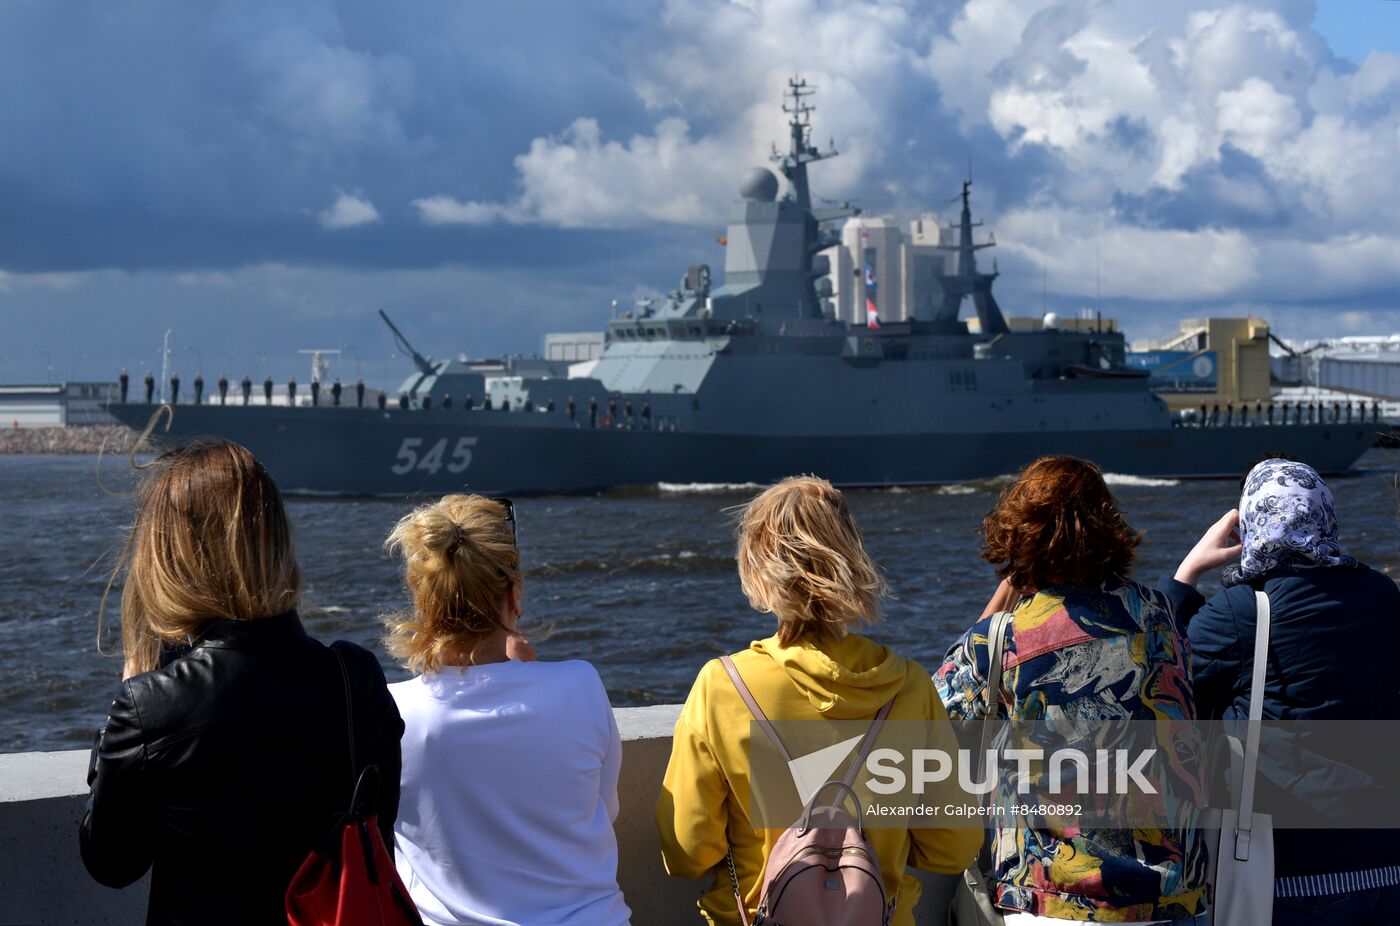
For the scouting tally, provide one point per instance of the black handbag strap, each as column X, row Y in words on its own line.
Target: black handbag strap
column 364, row 780
column 349, row 714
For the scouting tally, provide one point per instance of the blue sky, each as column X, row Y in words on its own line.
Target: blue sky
column 1356, row 27
column 260, row 177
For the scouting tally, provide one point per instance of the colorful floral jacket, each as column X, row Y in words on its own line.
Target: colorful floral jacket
column 1081, row 667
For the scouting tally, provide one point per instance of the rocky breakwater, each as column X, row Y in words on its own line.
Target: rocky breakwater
column 94, row 439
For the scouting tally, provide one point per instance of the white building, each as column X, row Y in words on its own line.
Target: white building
column 905, row 267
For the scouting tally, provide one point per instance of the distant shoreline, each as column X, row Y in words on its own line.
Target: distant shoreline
column 70, row 441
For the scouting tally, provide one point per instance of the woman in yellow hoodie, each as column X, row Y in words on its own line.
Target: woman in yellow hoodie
column 801, row 559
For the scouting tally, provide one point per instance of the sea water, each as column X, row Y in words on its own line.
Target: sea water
column 640, row 582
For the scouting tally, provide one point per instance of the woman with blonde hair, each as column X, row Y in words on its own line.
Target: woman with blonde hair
column 221, row 768
column 802, row 560
column 510, row 765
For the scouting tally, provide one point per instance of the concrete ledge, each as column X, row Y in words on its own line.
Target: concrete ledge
column 42, row 879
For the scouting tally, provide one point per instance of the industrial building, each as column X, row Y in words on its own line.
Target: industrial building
column 1368, row 366
column 1212, row 361
column 55, row 405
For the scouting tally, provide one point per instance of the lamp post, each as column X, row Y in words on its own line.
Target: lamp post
column 48, row 358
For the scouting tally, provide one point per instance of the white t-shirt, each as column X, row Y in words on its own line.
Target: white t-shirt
column 509, row 796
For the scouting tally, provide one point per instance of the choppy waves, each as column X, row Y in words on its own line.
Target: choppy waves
column 1121, row 479
column 707, row 488
column 685, row 561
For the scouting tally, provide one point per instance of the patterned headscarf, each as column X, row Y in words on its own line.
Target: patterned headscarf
column 1287, row 521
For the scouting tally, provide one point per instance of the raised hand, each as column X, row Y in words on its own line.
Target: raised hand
column 520, row 648
column 1220, row 544
column 1003, row 599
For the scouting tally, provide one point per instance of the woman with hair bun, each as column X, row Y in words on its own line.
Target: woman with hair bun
column 510, row 765
column 225, row 758
column 1089, row 657
column 801, row 560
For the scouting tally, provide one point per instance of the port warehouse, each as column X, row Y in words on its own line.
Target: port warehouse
column 55, row 405
column 42, row 795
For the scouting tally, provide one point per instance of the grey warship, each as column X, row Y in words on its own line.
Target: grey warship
column 757, row 379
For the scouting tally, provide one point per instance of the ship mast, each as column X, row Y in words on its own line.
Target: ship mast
column 801, row 151
column 793, row 165
column 967, row 281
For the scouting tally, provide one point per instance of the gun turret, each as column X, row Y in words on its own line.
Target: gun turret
column 418, row 359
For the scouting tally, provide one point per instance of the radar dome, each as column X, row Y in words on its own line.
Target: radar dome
column 759, row 184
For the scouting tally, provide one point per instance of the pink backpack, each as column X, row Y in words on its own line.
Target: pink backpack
column 822, row 870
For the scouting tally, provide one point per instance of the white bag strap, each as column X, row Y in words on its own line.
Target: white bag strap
column 1245, row 828
column 977, row 880
column 996, row 646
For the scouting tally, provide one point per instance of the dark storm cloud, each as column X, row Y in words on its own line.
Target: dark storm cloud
column 194, row 135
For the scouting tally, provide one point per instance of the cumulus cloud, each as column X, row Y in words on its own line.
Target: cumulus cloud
column 348, row 211
column 713, row 82
column 1220, row 136
column 1086, row 253
column 446, row 210
column 581, row 180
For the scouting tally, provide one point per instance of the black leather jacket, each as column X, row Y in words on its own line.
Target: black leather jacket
column 222, row 770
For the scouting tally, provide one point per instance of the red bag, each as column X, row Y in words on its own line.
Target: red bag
column 352, row 881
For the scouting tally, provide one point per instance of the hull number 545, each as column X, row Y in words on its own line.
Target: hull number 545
column 412, row 455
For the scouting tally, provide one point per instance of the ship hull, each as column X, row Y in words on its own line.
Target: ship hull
column 366, row 452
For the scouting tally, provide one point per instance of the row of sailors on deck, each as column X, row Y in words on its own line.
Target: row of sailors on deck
column 223, row 759
column 246, row 387
column 404, row 402
column 1288, row 413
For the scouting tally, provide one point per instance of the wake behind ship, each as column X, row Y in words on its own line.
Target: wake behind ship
column 758, row 379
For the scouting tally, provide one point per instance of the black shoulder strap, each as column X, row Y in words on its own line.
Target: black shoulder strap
column 349, row 713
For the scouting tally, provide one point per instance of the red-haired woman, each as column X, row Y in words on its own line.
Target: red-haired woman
column 1087, row 654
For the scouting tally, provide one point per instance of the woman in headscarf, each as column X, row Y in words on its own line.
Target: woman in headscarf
column 1334, row 633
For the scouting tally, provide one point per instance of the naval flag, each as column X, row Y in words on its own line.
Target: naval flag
column 872, row 315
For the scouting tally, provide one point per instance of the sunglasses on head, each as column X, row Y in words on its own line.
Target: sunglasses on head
column 510, row 519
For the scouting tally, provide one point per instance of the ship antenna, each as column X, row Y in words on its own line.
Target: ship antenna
column 1098, row 277
column 801, row 151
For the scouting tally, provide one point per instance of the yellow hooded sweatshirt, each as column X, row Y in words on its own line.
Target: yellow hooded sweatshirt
column 703, row 809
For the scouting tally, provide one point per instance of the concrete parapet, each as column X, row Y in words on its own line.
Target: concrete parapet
column 42, row 879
